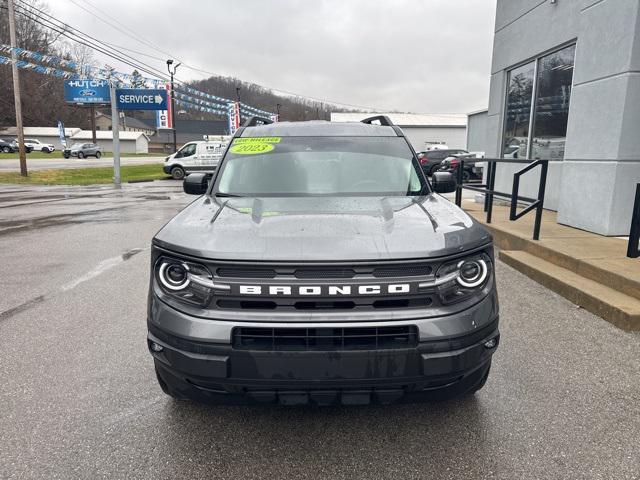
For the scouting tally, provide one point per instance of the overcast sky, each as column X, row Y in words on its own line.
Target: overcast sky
column 407, row 55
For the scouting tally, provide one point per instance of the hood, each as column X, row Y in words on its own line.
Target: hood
column 321, row 229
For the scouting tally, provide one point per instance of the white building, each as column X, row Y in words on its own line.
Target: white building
column 44, row 134
column 422, row 129
column 130, row 142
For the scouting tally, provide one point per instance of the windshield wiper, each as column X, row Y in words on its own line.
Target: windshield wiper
column 220, row 194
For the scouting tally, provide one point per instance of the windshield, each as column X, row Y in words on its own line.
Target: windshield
column 318, row 166
column 77, row 145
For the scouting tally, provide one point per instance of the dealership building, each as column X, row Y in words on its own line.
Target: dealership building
column 424, row 130
column 565, row 86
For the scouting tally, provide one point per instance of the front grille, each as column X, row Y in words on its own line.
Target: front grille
column 403, row 271
column 324, row 339
column 246, row 272
column 324, row 273
column 238, row 304
column 328, row 272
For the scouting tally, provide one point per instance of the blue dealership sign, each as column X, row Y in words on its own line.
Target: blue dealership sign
column 86, row 91
column 141, row 99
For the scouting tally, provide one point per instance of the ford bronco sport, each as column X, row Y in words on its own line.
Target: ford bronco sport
column 320, row 266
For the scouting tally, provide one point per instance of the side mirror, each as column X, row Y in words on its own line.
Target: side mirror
column 196, row 183
column 443, row 182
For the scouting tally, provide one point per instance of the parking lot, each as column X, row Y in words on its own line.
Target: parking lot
column 80, row 399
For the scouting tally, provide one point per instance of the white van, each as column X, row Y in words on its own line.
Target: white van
column 196, row 156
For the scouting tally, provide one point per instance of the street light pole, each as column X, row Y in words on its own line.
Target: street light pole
column 173, row 103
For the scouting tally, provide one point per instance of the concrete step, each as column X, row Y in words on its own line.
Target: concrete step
column 588, row 257
column 612, row 305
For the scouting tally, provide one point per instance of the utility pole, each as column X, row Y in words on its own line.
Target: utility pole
column 93, row 123
column 278, row 111
column 115, row 131
column 173, row 103
column 16, row 89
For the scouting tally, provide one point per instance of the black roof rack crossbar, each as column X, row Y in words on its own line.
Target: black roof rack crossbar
column 255, row 120
column 383, row 119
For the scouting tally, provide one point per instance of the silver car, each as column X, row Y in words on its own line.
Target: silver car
column 83, row 150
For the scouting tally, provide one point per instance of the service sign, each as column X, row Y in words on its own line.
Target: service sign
column 86, row 91
column 141, row 99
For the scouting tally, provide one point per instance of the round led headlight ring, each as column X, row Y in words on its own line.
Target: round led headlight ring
column 472, row 273
column 174, row 276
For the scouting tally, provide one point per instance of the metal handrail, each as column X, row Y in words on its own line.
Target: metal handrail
column 489, row 189
column 633, row 248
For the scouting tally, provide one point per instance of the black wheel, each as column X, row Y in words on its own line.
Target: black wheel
column 6, row 150
column 98, row 154
column 45, row 150
column 80, row 155
column 177, row 173
column 65, row 155
column 466, row 176
column 434, row 169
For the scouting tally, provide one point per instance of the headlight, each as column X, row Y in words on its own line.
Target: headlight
column 186, row 281
column 458, row 280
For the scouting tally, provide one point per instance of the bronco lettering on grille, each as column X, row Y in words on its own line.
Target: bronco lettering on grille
column 328, row 290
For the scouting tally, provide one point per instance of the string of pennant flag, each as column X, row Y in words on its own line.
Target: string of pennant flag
column 86, row 71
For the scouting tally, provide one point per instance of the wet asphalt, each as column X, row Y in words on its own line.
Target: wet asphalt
column 79, row 399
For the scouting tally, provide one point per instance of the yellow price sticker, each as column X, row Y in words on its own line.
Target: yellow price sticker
column 239, row 141
column 251, row 148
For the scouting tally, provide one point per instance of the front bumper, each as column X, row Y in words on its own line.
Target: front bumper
column 439, row 366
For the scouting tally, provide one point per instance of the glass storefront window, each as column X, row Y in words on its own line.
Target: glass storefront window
column 518, row 111
column 548, row 89
column 553, row 85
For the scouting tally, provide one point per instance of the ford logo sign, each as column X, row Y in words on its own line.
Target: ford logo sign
column 88, row 93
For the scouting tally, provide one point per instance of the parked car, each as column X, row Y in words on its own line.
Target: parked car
column 6, row 147
column 431, row 159
column 472, row 166
column 15, row 146
column 199, row 156
column 83, row 150
column 36, row 144
column 295, row 277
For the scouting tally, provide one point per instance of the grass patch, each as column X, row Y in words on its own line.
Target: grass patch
column 57, row 154
column 85, row 176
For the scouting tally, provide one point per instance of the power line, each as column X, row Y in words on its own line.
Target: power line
column 69, row 32
column 129, row 32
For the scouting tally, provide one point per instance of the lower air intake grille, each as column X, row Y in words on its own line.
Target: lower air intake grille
column 324, row 339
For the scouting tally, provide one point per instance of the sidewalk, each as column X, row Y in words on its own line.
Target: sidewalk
column 591, row 270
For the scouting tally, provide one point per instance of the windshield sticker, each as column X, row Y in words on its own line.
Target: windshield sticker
column 251, row 148
column 239, row 141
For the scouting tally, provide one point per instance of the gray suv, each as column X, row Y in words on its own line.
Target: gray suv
column 83, row 150
column 319, row 266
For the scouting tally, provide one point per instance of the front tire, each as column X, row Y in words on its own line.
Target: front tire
column 177, row 173
column 6, row 150
column 434, row 169
column 98, row 155
column 80, row 155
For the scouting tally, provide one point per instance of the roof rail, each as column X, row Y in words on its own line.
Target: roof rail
column 383, row 119
column 255, row 120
